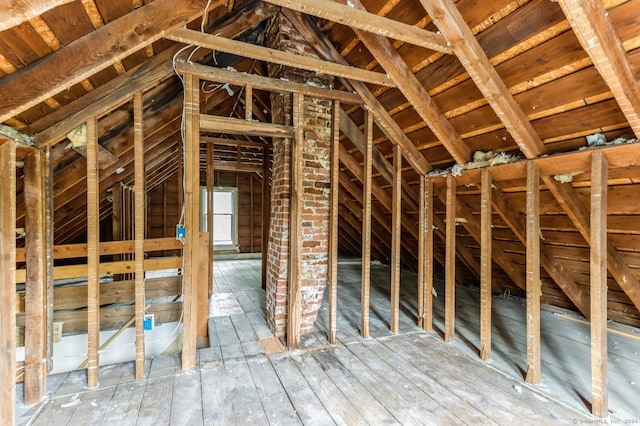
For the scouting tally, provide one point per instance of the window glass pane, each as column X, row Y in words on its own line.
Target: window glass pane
column 223, row 202
column 222, row 230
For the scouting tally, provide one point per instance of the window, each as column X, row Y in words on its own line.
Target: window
column 224, row 216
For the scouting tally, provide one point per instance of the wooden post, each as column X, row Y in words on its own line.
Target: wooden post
column 202, row 292
column 47, row 183
column 266, row 211
column 485, row 265
column 93, row 254
column 139, row 186
column 333, row 223
column 422, row 230
column 427, row 203
column 295, row 222
column 210, row 248
column 248, row 102
column 366, row 227
column 534, row 287
column 396, row 235
column 8, row 278
column 35, row 336
column 599, row 392
column 192, row 219
column 450, row 262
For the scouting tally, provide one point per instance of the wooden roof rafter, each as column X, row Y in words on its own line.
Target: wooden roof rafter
column 590, row 23
column 448, row 19
column 20, row 11
column 363, row 20
column 412, row 89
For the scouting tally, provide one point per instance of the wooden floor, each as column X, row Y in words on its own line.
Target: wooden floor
column 409, row 378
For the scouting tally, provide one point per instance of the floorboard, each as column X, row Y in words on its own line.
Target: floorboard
column 409, row 378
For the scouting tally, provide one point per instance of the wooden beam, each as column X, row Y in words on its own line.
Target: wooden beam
column 93, row 256
column 35, row 336
column 534, row 285
column 192, row 218
column 426, row 200
column 224, row 166
column 471, row 55
column 572, row 203
column 450, row 262
column 231, row 142
column 139, row 225
column 237, row 126
column 208, row 41
column 486, row 243
column 595, row 31
column 363, row 20
column 265, row 83
column 404, row 79
column 248, row 102
column 17, row 12
column 47, row 183
column 295, row 225
column 94, row 52
column 598, row 262
column 396, row 236
column 366, row 228
column 386, row 123
column 266, row 211
column 210, row 215
column 334, row 170
column 7, row 277
column 562, row 279
column 422, row 260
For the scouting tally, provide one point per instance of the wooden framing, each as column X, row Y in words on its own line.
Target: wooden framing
column 598, row 37
column 139, row 225
column 233, row 47
column 295, row 225
column 363, row 20
column 7, row 276
column 450, row 261
column 598, row 262
column 210, row 216
column 426, row 201
column 192, row 218
column 35, row 287
column 396, row 236
column 366, row 227
column 486, row 259
column 266, row 211
column 422, row 230
column 243, row 127
column 93, row 256
column 333, row 223
column 47, row 185
column 534, row 286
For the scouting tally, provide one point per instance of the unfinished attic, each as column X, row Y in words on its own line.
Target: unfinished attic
column 318, row 212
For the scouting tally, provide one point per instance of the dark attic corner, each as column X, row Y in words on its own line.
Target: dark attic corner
column 317, row 212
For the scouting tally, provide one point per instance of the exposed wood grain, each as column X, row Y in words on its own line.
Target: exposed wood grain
column 370, row 22
column 93, row 256
column 266, row 210
column 533, row 289
column 47, row 183
column 7, row 276
column 396, row 235
column 18, row 11
column 35, row 288
column 243, row 127
column 220, row 44
column 485, row 265
column 426, row 199
column 598, row 37
column 139, row 225
column 210, row 216
column 265, row 83
column 192, row 218
column 366, row 228
column 333, row 221
column 294, row 310
column 202, row 291
column 450, row 260
column 98, row 50
column 474, row 59
column 422, row 259
column 598, row 278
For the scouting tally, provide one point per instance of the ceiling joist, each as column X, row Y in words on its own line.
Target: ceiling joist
column 362, row 20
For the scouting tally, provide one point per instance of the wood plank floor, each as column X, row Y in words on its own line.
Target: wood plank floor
column 409, row 378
